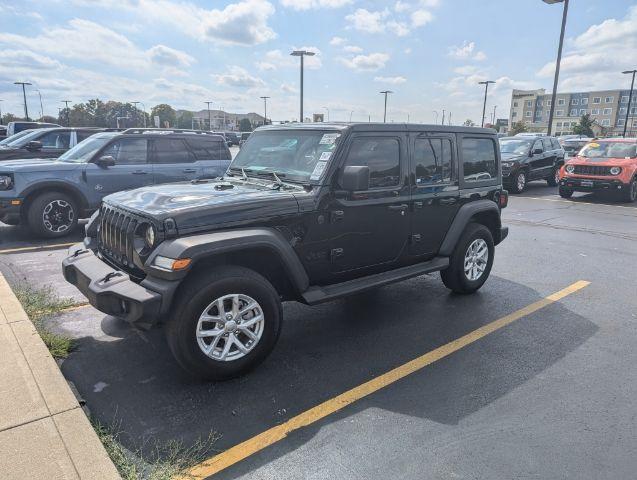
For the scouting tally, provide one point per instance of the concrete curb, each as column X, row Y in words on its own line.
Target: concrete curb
column 43, row 431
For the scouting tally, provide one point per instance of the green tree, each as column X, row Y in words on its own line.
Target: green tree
column 185, row 120
column 166, row 113
column 10, row 117
column 48, row 119
column 245, row 125
column 585, row 126
column 518, row 127
column 469, row 123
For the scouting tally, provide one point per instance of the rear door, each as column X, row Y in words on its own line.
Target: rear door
column 173, row 161
column 434, row 190
column 211, row 154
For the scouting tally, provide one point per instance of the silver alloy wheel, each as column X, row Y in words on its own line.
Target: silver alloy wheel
column 476, row 259
column 58, row 216
column 230, row 327
column 521, row 181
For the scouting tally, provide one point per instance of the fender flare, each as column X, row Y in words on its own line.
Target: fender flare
column 199, row 247
column 52, row 185
column 461, row 220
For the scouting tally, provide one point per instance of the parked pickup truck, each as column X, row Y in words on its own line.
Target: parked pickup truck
column 306, row 212
column 50, row 195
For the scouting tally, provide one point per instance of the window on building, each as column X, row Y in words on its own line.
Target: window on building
column 623, row 110
column 539, row 103
column 633, row 110
column 595, row 111
column 514, row 114
column 574, row 112
column 558, row 124
column 606, row 122
column 478, row 159
column 515, row 104
column 575, row 101
column 597, row 99
column 432, row 157
column 561, row 101
column 584, row 101
column 559, row 113
column 624, row 99
column 608, row 111
column 620, row 122
column 609, row 99
column 583, row 111
column 381, row 155
column 529, row 103
column 528, row 113
column 548, row 103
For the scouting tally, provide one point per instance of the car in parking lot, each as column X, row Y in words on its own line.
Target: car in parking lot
column 3, row 132
column 572, row 146
column 232, row 138
column 244, row 137
column 528, row 158
column 50, row 195
column 603, row 165
column 17, row 127
column 306, row 212
column 45, row 142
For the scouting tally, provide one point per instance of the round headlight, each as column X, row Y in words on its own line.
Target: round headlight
column 615, row 170
column 570, row 168
column 150, row 235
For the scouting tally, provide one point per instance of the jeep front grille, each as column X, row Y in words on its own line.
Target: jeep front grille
column 591, row 170
column 116, row 238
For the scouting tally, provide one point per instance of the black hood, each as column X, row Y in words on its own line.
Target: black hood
column 211, row 203
column 511, row 157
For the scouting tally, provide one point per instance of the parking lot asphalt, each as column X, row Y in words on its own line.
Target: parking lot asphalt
column 548, row 396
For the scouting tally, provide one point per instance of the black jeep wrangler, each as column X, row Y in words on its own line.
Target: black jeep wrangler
column 306, row 212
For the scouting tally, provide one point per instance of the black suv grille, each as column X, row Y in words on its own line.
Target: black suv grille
column 116, row 239
column 591, row 170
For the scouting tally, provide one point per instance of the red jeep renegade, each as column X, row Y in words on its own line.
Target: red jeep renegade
column 602, row 165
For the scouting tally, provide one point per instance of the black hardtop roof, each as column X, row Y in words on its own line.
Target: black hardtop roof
column 379, row 127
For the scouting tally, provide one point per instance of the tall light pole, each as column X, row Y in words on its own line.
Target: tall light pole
column 449, row 119
column 493, row 115
column 443, row 117
column 350, row 115
column 41, row 107
column 328, row 113
column 630, row 99
column 1, row 111
column 265, row 110
column 559, row 60
column 436, row 120
column 385, row 92
column 486, row 89
column 24, row 95
column 209, row 117
column 68, row 116
column 143, row 111
column 302, row 54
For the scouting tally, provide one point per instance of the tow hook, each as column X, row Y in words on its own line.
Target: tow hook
column 111, row 275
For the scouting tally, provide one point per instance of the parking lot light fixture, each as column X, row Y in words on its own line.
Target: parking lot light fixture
column 385, row 92
column 265, row 110
column 302, row 54
column 484, row 105
column 24, row 95
column 66, row 107
column 209, row 117
column 557, row 63
column 630, row 98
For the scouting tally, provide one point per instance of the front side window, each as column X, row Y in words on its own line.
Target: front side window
column 83, row 152
column 381, row 155
column 127, row 151
column 171, row 150
column 432, row 159
column 479, row 159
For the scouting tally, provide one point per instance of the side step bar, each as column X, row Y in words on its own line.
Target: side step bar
column 319, row 294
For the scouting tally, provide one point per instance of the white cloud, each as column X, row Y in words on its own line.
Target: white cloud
column 399, row 28
column 163, row 55
column 274, row 59
column 421, row 17
column 352, row 49
column 288, row 88
column 366, row 21
column 338, row 41
column 391, row 80
column 467, row 51
column 373, row 61
column 400, row 6
column 404, row 18
column 314, row 4
column 238, row 77
column 466, row 70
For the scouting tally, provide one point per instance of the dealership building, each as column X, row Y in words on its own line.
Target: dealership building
column 606, row 107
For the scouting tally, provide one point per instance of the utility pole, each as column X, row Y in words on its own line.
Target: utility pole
column 559, row 60
column 443, row 117
column 350, row 115
column 265, row 110
column 436, row 120
column 302, row 54
column 493, row 116
column 68, row 116
column 24, row 95
column 449, row 119
column 385, row 92
column 209, row 117
column 41, row 107
column 630, row 99
column 1, row 111
column 484, row 105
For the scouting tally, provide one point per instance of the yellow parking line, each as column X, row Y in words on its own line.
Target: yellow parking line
column 39, row 247
column 259, row 442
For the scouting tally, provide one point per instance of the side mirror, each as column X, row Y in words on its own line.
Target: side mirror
column 537, row 151
column 355, row 179
column 105, row 161
column 34, row 146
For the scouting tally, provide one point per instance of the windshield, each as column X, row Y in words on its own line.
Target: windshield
column 9, row 141
column 84, row 151
column 22, row 141
column 519, row 146
column 300, row 155
column 609, row 150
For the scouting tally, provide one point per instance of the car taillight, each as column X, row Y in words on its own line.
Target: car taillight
column 503, row 199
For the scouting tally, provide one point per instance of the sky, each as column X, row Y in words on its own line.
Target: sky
column 431, row 53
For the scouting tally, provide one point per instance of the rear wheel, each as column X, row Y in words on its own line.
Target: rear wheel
column 554, row 179
column 565, row 192
column 52, row 215
column 471, row 261
column 519, row 182
column 630, row 194
column 225, row 323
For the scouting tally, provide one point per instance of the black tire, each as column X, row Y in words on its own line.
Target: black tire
column 518, row 185
column 554, row 180
column 630, row 194
column 565, row 192
column 454, row 277
column 57, row 204
column 196, row 295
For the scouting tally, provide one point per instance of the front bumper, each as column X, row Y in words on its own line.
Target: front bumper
column 109, row 290
column 578, row 184
column 504, row 233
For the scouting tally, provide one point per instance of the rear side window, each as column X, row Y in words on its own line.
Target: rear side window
column 127, row 151
column 479, row 159
column 547, row 144
column 171, row 150
column 208, row 149
column 556, row 144
column 55, row 140
column 432, row 159
column 381, row 155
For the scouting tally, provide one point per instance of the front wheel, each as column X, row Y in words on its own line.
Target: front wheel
column 565, row 192
column 227, row 321
column 471, row 261
column 630, row 194
column 554, row 179
column 52, row 215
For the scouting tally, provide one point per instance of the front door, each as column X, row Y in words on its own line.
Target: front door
column 434, row 192
column 371, row 228
column 131, row 169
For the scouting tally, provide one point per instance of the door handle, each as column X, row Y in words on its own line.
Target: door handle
column 402, row 207
column 189, row 170
column 140, row 172
column 447, row 201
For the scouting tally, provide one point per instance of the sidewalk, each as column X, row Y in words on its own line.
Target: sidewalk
column 44, row 434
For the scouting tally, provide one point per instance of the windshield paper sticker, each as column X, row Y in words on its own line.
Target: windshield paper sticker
column 329, row 138
column 318, row 170
column 325, row 156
